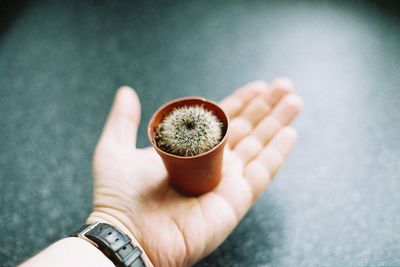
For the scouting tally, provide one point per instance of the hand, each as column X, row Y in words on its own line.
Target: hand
column 131, row 189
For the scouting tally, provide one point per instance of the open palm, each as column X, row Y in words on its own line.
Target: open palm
column 131, row 188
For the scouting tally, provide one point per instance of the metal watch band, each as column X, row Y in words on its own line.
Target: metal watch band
column 113, row 243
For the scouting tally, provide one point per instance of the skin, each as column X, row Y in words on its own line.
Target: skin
column 131, row 189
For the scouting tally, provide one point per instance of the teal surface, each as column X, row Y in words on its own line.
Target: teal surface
column 335, row 202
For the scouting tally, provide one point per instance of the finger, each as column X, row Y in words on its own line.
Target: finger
column 259, row 172
column 234, row 103
column 285, row 111
column 238, row 128
column 260, row 106
column 124, row 118
column 282, row 115
column 257, row 109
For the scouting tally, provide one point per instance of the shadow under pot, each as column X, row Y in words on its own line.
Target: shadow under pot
column 190, row 134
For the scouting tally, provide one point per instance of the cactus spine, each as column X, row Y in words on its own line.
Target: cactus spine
column 188, row 131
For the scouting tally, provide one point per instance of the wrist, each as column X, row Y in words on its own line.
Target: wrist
column 97, row 216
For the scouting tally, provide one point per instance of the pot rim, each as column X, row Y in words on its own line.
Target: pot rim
column 181, row 99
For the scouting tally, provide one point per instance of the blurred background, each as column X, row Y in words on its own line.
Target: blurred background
column 336, row 202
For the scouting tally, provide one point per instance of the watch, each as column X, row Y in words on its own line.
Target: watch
column 113, row 243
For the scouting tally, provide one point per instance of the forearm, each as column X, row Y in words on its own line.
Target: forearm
column 74, row 251
column 71, row 251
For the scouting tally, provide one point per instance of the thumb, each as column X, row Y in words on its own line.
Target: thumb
column 124, row 118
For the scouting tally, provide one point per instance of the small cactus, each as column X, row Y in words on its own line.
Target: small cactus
column 188, row 131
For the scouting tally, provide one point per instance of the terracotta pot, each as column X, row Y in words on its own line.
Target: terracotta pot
column 193, row 175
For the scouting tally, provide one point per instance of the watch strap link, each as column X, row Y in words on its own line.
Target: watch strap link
column 114, row 244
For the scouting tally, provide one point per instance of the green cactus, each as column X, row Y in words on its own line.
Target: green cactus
column 188, row 131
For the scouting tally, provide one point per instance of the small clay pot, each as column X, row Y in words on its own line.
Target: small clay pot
column 193, row 175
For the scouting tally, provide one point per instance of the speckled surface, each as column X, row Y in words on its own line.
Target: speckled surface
column 336, row 201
